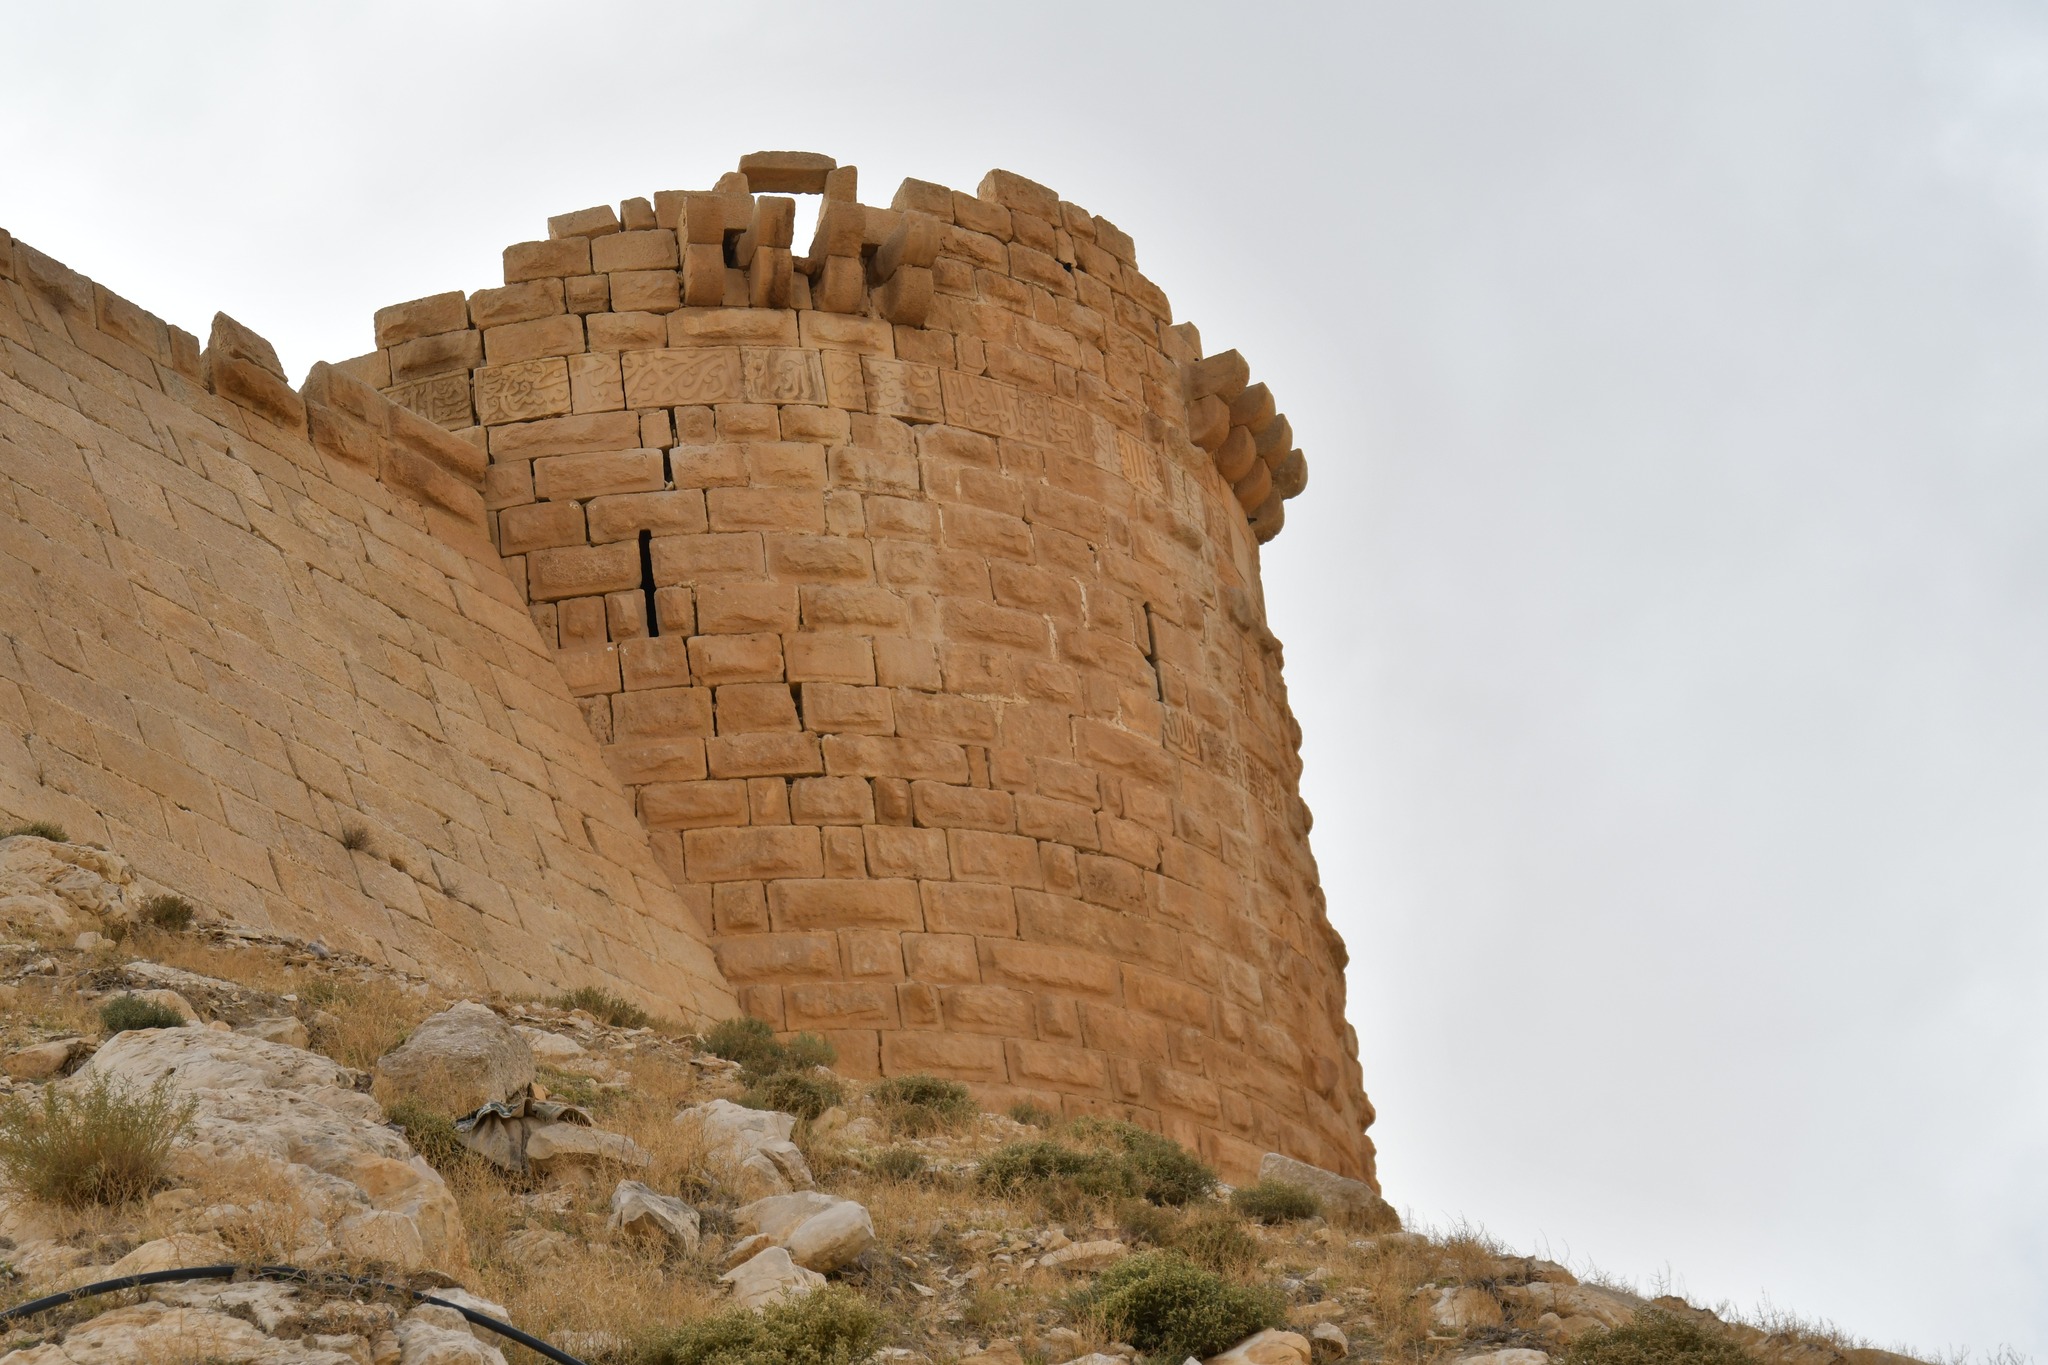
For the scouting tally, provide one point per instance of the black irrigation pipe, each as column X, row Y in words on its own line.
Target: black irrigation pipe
column 288, row 1273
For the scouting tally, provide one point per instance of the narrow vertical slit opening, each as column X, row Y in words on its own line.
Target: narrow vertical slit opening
column 647, row 580
column 1152, row 654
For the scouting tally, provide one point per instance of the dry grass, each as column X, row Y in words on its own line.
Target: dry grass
column 356, row 1022
column 102, row 1144
column 250, row 965
column 46, row 1006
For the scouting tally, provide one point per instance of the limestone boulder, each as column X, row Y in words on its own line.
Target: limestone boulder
column 771, row 1276
column 752, row 1144
column 457, row 1060
column 40, row 1061
column 433, row 1335
column 553, row 1149
column 169, row 1253
column 636, row 1208
column 286, row 1030
column 1460, row 1308
column 1515, row 1356
column 1270, row 1347
column 165, row 1332
column 296, row 1118
column 1326, row 1340
column 821, row 1232
column 1579, row 1307
column 1344, row 1199
column 1085, row 1257
column 88, row 881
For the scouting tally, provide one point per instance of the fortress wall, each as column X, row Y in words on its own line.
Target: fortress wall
column 912, row 587
column 236, row 620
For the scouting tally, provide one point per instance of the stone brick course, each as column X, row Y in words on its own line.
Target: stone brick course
column 950, row 705
column 237, row 621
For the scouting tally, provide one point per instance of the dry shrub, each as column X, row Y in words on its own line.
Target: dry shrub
column 261, row 1213
column 41, row 829
column 1657, row 1338
column 169, row 913
column 917, row 1104
column 1167, row 1306
column 1276, row 1201
column 833, row 1326
column 356, row 1022
column 102, row 1144
column 604, row 1006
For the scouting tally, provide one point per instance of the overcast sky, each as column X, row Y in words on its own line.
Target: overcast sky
column 1665, row 612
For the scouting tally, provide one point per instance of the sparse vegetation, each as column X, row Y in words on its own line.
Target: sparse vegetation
column 1216, row 1241
column 1170, row 1308
column 169, row 913
column 1656, row 1338
column 41, row 829
column 917, row 1104
column 604, row 1006
column 103, row 1144
column 897, row 1163
column 1161, row 1169
column 1276, row 1201
column 753, row 1044
column 833, row 1326
column 1037, row 1116
column 356, row 1022
column 125, row 1012
column 431, row 1133
column 806, row 1094
column 356, row 839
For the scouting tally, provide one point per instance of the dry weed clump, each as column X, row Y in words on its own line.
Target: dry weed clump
column 356, row 1022
column 41, row 829
column 49, row 1007
column 834, row 1326
column 1169, row 1307
column 103, row 1144
column 1657, row 1338
column 604, row 1006
column 917, row 1104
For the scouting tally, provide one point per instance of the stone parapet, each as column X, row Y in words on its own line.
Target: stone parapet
column 911, row 586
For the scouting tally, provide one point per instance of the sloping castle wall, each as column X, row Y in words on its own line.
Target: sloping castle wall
column 236, row 621
column 912, row 589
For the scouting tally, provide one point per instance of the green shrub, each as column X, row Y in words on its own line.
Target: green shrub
column 1162, row 1170
column 1044, row 1165
column 604, row 1006
column 753, row 1044
column 125, row 1012
column 805, row 1050
column 1145, row 1224
column 1276, row 1201
column 918, row 1104
column 431, row 1133
column 1170, row 1308
column 169, row 912
column 105, row 1144
column 806, row 1094
column 1217, row 1241
column 746, row 1040
column 833, row 1326
column 897, row 1163
column 41, row 829
column 1024, row 1111
column 1656, row 1338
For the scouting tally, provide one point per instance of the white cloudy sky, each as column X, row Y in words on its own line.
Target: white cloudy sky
column 1665, row 614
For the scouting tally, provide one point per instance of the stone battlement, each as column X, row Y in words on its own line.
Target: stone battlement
column 870, row 639
column 911, row 585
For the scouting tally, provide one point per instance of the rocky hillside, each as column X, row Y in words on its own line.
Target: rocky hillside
column 183, row 1092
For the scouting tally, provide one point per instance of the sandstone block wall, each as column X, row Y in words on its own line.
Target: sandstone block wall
column 236, row 620
column 911, row 586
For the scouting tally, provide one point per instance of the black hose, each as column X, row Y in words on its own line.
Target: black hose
column 288, row 1273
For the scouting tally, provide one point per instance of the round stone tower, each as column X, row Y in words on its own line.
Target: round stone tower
column 912, row 585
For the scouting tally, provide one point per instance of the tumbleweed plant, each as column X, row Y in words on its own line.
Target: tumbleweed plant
column 104, row 1143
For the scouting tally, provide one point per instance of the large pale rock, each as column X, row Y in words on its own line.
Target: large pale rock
column 163, row 1332
column 1085, row 1256
column 554, row 1147
column 87, row 880
column 1270, row 1347
column 40, row 1061
column 1463, row 1307
column 821, row 1232
column 778, row 1215
column 457, row 1060
column 1344, row 1199
column 296, row 1116
column 754, row 1143
column 768, row 1277
column 1328, row 1342
column 637, row 1208
column 433, row 1335
column 1601, row 1307
column 170, row 1253
column 284, row 1029
column 1514, row 1356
